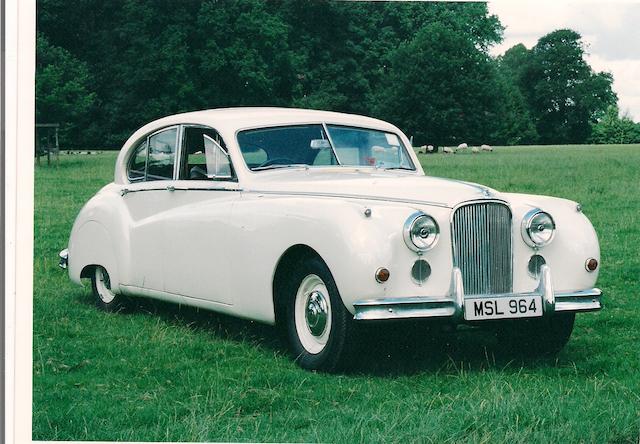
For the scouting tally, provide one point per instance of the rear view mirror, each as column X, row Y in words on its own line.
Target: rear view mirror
column 320, row 144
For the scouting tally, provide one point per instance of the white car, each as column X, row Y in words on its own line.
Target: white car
column 318, row 221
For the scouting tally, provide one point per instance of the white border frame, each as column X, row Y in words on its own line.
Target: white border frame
column 20, row 30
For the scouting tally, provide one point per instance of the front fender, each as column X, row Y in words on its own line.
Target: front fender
column 575, row 241
column 352, row 244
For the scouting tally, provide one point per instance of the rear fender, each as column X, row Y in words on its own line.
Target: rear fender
column 89, row 245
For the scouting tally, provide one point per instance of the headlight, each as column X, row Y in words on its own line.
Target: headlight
column 420, row 232
column 538, row 228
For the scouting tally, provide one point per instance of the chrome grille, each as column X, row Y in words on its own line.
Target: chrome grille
column 482, row 247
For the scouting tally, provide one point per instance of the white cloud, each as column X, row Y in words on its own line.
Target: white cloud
column 610, row 31
column 626, row 81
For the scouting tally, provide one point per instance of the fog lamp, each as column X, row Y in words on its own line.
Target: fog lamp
column 420, row 271
column 535, row 264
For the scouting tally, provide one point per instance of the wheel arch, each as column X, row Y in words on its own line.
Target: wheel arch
column 288, row 259
column 87, row 270
column 91, row 246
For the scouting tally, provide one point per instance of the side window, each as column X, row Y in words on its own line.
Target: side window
column 218, row 165
column 138, row 162
column 204, row 155
column 162, row 155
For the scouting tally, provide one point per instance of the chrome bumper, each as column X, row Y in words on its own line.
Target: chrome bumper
column 452, row 306
column 64, row 258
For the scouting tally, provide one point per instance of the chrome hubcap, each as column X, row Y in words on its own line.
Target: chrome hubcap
column 313, row 314
column 103, row 285
column 316, row 313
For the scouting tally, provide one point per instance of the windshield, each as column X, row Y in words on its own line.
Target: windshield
column 312, row 145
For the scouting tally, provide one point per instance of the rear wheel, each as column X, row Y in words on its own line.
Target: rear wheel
column 318, row 324
column 540, row 336
column 105, row 298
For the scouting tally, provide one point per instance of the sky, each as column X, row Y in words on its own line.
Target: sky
column 610, row 30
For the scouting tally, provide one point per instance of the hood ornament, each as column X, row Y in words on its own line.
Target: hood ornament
column 486, row 192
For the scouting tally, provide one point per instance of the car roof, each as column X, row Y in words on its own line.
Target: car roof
column 233, row 119
column 227, row 121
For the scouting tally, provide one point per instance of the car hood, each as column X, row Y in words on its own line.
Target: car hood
column 377, row 185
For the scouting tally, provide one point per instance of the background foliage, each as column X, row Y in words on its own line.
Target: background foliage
column 106, row 68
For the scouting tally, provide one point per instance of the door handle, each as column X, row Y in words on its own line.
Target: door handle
column 171, row 188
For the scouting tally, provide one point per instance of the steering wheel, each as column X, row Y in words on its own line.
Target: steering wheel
column 276, row 161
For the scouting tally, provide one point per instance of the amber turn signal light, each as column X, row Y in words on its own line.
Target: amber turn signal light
column 382, row 275
column 591, row 264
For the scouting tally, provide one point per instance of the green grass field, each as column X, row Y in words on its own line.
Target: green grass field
column 160, row 372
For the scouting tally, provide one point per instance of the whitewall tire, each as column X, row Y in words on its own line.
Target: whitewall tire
column 318, row 324
column 105, row 297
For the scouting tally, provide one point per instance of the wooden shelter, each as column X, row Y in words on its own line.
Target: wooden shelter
column 47, row 142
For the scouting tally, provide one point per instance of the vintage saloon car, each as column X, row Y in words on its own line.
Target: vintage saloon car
column 317, row 221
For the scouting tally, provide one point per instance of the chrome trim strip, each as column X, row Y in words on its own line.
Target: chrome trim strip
column 333, row 147
column 178, row 155
column 452, row 305
column 545, row 288
column 349, row 196
column 125, row 190
column 579, row 301
column 457, row 291
column 404, row 308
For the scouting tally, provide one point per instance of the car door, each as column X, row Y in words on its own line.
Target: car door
column 197, row 247
column 150, row 171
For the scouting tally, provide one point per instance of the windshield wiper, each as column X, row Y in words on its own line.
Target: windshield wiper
column 400, row 168
column 274, row 167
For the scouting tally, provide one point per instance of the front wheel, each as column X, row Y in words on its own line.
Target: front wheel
column 105, row 298
column 318, row 324
column 541, row 336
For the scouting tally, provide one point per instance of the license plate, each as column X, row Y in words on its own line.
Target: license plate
column 502, row 308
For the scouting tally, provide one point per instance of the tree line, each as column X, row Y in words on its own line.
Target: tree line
column 104, row 69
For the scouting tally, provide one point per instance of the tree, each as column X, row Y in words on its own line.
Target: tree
column 516, row 126
column 244, row 56
column 150, row 58
column 63, row 92
column 564, row 95
column 612, row 128
column 423, row 65
column 441, row 88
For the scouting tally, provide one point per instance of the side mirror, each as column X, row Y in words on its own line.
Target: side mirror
column 218, row 162
column 320, row 144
